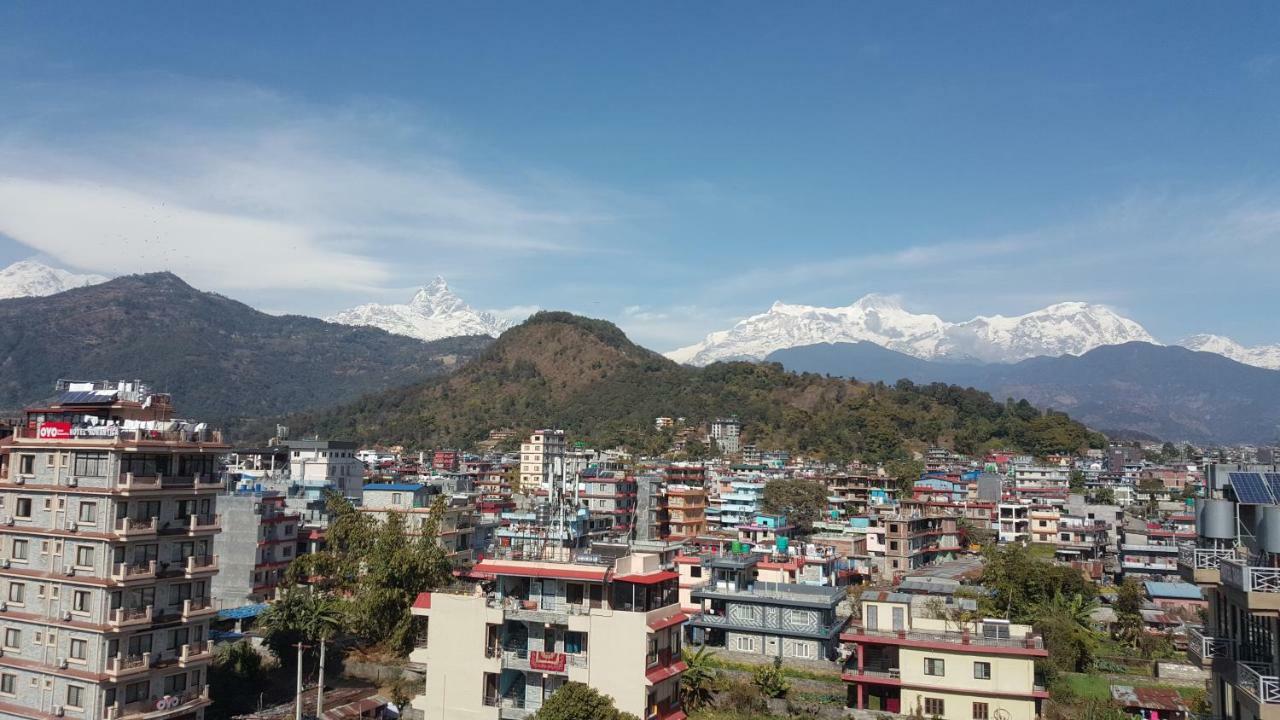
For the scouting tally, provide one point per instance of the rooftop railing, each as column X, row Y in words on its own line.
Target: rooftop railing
column 1249, row 578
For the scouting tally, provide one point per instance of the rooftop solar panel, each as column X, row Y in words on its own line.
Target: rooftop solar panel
column 85, row 398
column 1273, row 482
column 1251, row 489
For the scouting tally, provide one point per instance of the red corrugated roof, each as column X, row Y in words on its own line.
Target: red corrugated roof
column 657, row 675
column 649, row 578
column 668, row 622
column 423, row 601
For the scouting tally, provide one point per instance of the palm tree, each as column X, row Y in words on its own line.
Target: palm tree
column 701, row 680
column 302, row 615
column 1077, row 608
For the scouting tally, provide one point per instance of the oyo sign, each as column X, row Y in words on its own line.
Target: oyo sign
column 168, row 702
column 54, row 430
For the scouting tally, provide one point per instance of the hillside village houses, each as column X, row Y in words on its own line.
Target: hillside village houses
column 571, row 563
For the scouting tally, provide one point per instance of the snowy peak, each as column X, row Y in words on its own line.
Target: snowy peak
column 434, row 312
column 28, row 278
column 1263, row 356
column 1064, row 328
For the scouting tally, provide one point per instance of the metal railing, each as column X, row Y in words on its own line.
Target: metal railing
column 728, row 622
column 197, row 563
column 139, row 526
column 1263, row 688
column 126, row 571
column 1250, row 578
column 1201, row 647
column 1203, row 558
column 1034, row 642
column 129, row 616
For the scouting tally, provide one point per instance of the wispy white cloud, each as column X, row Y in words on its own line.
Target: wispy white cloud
column 236, row 187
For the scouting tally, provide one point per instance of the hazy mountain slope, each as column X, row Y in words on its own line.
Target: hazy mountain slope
column 221, row 359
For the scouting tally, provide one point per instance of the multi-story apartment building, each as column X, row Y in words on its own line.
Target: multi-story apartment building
column 319, row 465
column 905, row 662
column 1014, row 524
column 684, row 509
column 917, row 540
column 740, row 505
column 413, row 502
column 252, row 561
column 609, row 492
column 541, row 460
column 726, row 433
column 501, row 650
column 738, row 613
column 107, row 523
column 1044, row 524
column 1235, row 558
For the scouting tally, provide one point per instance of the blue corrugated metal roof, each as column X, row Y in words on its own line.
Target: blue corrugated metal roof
column 242, row 612
column 404, row 487
column 1176, row 590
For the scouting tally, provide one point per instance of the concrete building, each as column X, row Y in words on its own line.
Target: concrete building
column 1014, row 524
column 737, row 612
column 725, row 432
column 413, row 502
column 685, row 511
column 500, row 648
column 318, row 465
column 541, row 459
column 916, row 540
column 902, row 661
column 108, row 512
column 252, row 561
column 1235, row 559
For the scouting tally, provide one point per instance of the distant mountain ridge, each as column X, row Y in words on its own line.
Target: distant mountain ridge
column 433, row 313
column 1263, row 356
column 1168, row 392
column 28, row 278
column 1069, row 328
column 220, row 358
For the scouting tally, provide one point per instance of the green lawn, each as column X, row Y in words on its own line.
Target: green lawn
column 1098, row 687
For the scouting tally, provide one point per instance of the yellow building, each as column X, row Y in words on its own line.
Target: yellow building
column 501, row 647
column 905, row 663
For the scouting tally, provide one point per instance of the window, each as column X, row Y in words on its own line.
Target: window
column 981, row 671
column 695, row 571
column 26, row 464
column 75, row 696
column 84, row 556
column 78, row 648
column 934, row 666
column 933, row 707
column 22, row 508
column 80, row 601
column 746, row 643
column 8, row 684
column 19, row 549
column 88, row 512
column 17, row 592
column 13, row 638
column 90, row 464
column 980, row 711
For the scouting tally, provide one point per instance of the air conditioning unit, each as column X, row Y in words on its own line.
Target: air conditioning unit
column 19, row 480
column 72, row 527
column 3, row 606
column 62, row 664
column 4, row 563
column 66, row 616
column 68, row 571
column 73, row 482
column 8, row 520
column 59, row 710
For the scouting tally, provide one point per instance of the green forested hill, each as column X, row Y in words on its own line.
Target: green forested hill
column 561, row 370
column 221, row 359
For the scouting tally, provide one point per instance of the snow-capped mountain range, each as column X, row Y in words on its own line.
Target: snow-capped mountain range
column 28, row 278
column 1069, row 328
column 433, row 313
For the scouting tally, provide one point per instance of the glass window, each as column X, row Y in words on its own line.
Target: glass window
column 78, row 648
column 17, row 592
column 88, row 512
column 934, row 666
column 980, row 711
column 22, row 508
column 90, row 464
column 982, row 670
column 19, row 549
column 26, row 464
column 80, row 601
column 8, row 684
column 933, row 707
column 75, row 696
column 12, row 638
column 84, row 556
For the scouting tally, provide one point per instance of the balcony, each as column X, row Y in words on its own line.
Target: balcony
column 541, row 661
column 195, row 652
column 129, row 481
column 1203, row 649
column 511, row 707
column 1260, row 585
column 193, row 608
column 204, row 524
column 122, row 666
column 1252, row 681
column 201, row 565
column 160, row 707
column 134, row 572
column 857, row 633
column 725, row 622
column 129, row 617
column 136, row 527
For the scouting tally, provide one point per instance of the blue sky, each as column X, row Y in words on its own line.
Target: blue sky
column 670, row 166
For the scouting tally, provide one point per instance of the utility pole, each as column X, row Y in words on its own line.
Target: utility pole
column 297, row 713
column 320, row 687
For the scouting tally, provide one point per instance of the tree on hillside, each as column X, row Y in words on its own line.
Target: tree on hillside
column 1018, row 583
column 905, row 473
column 1076, row 482
column 699, row 683
column 1105, row 496
column 576, row 701
column 800, row 499
column 1128, row 606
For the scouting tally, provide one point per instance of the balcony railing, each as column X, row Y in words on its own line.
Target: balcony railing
column 201, row 563
column 137, row 526
column 126, row 664
column 1201, row 647
column 134, row 571
column 728, row 622
column 1263, row 688
column 121, row 617
column 1033, row 642
column 195, row 651
column 154, row 706
column 204, row 522
column 195, row 606
column 1250, row 578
